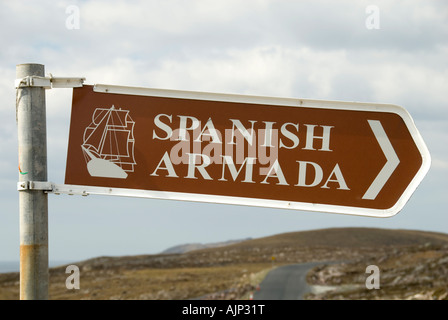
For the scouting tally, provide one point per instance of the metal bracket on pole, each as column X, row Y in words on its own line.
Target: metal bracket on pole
column 49, row 82
column 35, row 185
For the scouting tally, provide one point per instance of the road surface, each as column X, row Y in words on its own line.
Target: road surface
column 285, row 283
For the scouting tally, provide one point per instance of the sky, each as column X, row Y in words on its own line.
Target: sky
column 351, row 50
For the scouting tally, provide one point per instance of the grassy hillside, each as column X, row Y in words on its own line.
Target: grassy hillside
column 348, row 238
column 231, row 272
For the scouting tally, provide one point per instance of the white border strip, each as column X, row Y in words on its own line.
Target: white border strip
column 238, row 98
column 279, row 204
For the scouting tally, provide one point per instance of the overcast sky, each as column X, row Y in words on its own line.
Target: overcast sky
column 352, row 50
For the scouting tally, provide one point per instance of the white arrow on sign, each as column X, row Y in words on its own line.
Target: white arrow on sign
column 391, row 163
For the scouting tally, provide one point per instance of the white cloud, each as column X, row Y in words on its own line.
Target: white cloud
column 171, row 16
column 440, row 163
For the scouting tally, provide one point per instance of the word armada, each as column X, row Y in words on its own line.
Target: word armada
column 189, row 135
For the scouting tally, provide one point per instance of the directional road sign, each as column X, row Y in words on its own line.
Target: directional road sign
column 313, row 155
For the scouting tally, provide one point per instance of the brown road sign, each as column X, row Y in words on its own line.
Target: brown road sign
column 331, row 156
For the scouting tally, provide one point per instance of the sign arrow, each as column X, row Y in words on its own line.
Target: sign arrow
column 391, row 163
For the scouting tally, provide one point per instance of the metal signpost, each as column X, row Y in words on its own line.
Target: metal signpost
column 32, row 142
column 33, row 186
column 330, row 156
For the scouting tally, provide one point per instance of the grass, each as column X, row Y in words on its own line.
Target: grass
column 221, row 282
column 235, row 271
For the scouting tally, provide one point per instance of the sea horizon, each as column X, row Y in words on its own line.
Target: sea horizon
column 14, row 266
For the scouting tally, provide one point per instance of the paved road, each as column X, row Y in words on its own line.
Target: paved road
column 285, row 283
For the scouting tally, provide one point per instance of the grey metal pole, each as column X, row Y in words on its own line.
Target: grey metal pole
column 32, row 145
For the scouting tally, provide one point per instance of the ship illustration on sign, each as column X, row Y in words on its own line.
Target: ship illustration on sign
column 108, row 143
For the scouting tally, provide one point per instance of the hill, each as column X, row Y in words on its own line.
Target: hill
column 197, row 246
column 301, row 246
column 348, row 238
column 232, row 271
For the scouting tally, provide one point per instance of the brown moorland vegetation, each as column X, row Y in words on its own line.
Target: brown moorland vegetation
column 413, row 264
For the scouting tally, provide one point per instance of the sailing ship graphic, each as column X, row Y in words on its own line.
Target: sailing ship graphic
column 108, row 143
